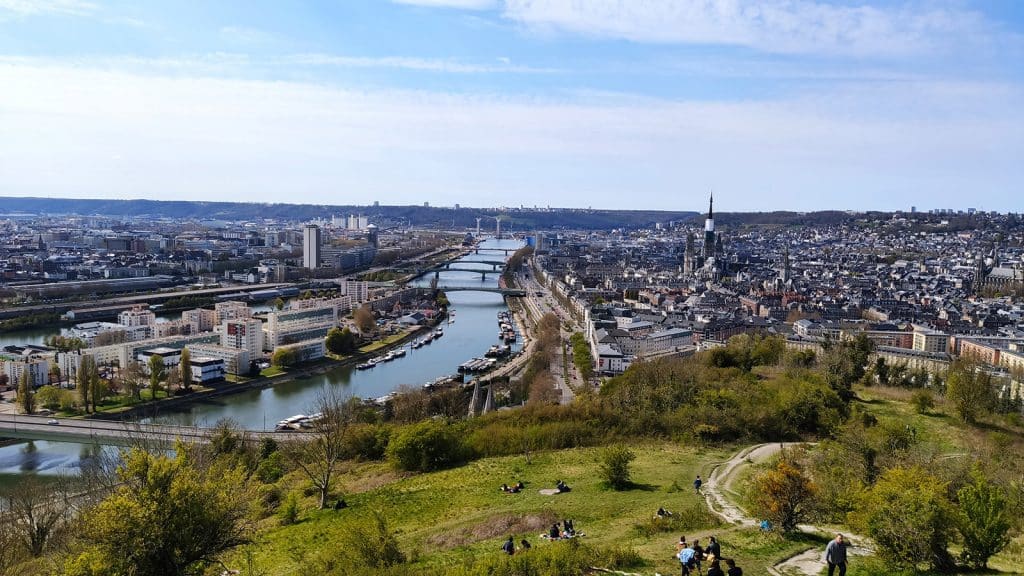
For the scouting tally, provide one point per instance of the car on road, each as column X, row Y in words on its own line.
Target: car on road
column 53, row 422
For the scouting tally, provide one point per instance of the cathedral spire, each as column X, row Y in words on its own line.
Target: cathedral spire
column 711, row 205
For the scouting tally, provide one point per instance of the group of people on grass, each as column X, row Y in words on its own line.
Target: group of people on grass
column 693, row 556
column 568, row 530
column 513, row 489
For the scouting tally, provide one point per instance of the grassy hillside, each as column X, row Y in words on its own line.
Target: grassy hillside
column 451, row 518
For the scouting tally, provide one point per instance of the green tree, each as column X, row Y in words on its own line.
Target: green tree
column 49, row 397
column 185, row 368
column 26, row 396
column 969, row 389
column 983, row 521
column 783, row 495
column 908, row 516
column 615, row 461
column 279, row 303
column 83, row 380
column 156, row 373
column 340, row 341
column 284, row 356
column 168, row 517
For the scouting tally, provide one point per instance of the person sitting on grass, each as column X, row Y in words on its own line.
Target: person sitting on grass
column 524, row 545
column 570, row 530
column 554, row 533
column 509, row 547
column 562, row 486
column 662, row 513
column 504, row 488
column 520, row 485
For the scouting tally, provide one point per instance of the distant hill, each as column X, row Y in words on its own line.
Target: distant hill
column 520, row 219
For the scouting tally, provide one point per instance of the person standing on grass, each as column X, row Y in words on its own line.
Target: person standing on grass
column 686, row 560
column 697, row 483
column 698, row 555
column 835, row 555
column 714, row 548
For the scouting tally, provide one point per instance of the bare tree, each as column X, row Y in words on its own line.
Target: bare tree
column 321, row 451
column 133, row 379
column 37, row 512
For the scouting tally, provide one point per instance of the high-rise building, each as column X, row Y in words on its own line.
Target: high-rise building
column 243, row 334
column 371, row 236
column 311, row 246
column 709, row 230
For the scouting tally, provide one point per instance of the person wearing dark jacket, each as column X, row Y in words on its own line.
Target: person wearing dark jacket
column 715, row 569
column 698, row 555
column 835, row 555
column 734, row 570
column 509, row 547
column 714, row 548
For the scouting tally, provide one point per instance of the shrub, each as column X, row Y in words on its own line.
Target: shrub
column 426, row 446
column 696, row 516
column 615, row 461
column 923, row 401
column 373, row 544
column 983, row 521
column 366, row 441
column 271, row 469
column 908, row 516
column 288, row 513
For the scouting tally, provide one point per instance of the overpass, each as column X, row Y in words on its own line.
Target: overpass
column 109, row 432
column 513, row 292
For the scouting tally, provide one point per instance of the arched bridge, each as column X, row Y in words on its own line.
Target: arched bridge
column 109, row 432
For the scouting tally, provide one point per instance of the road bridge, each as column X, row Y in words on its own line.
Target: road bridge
column 513, row 292
column 110, row 432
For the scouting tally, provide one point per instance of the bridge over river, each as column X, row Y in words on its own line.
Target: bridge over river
column 109, row 432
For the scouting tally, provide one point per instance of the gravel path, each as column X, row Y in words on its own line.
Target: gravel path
column 806, row 563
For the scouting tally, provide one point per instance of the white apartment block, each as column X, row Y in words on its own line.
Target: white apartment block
column 199, row 320
column 136, row 316
column 297, row 325
column 243, row 334
column 236, row 360
column 230, row 310
column 39, row 368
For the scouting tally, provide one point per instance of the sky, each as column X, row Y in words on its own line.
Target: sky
column 647, row 104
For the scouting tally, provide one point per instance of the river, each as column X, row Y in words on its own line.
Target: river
column 473, row 331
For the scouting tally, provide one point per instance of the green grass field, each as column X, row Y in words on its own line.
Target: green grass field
column 447, row 518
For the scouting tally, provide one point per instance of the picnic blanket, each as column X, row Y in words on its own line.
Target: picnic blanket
column 549, row 491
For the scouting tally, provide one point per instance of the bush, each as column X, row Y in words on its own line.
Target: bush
column 366, row 441
column 288, row 513
column 908, row 516
column 615, row 461
column 923, row 401
column 983, row 521
column 426, row 446
column 271, row 469
column 373, row 544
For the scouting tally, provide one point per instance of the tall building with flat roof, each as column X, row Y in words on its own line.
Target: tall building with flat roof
column 311, row 246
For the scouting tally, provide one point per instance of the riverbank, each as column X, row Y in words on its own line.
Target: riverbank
column 151, row 409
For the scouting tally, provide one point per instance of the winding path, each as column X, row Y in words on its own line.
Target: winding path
column 805, row 563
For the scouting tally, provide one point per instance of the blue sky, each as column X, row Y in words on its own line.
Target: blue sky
column 778, row 104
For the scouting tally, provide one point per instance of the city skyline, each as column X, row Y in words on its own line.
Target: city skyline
column 778, row 105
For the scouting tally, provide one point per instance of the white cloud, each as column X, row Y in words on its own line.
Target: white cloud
column 781, row 26
column 34, row 7
column 879, row 145
column 461, row 4
column 407, row 63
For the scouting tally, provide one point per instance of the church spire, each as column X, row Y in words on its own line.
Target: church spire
column 711, row 205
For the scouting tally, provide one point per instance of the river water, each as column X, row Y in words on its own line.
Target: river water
column 473, row 331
